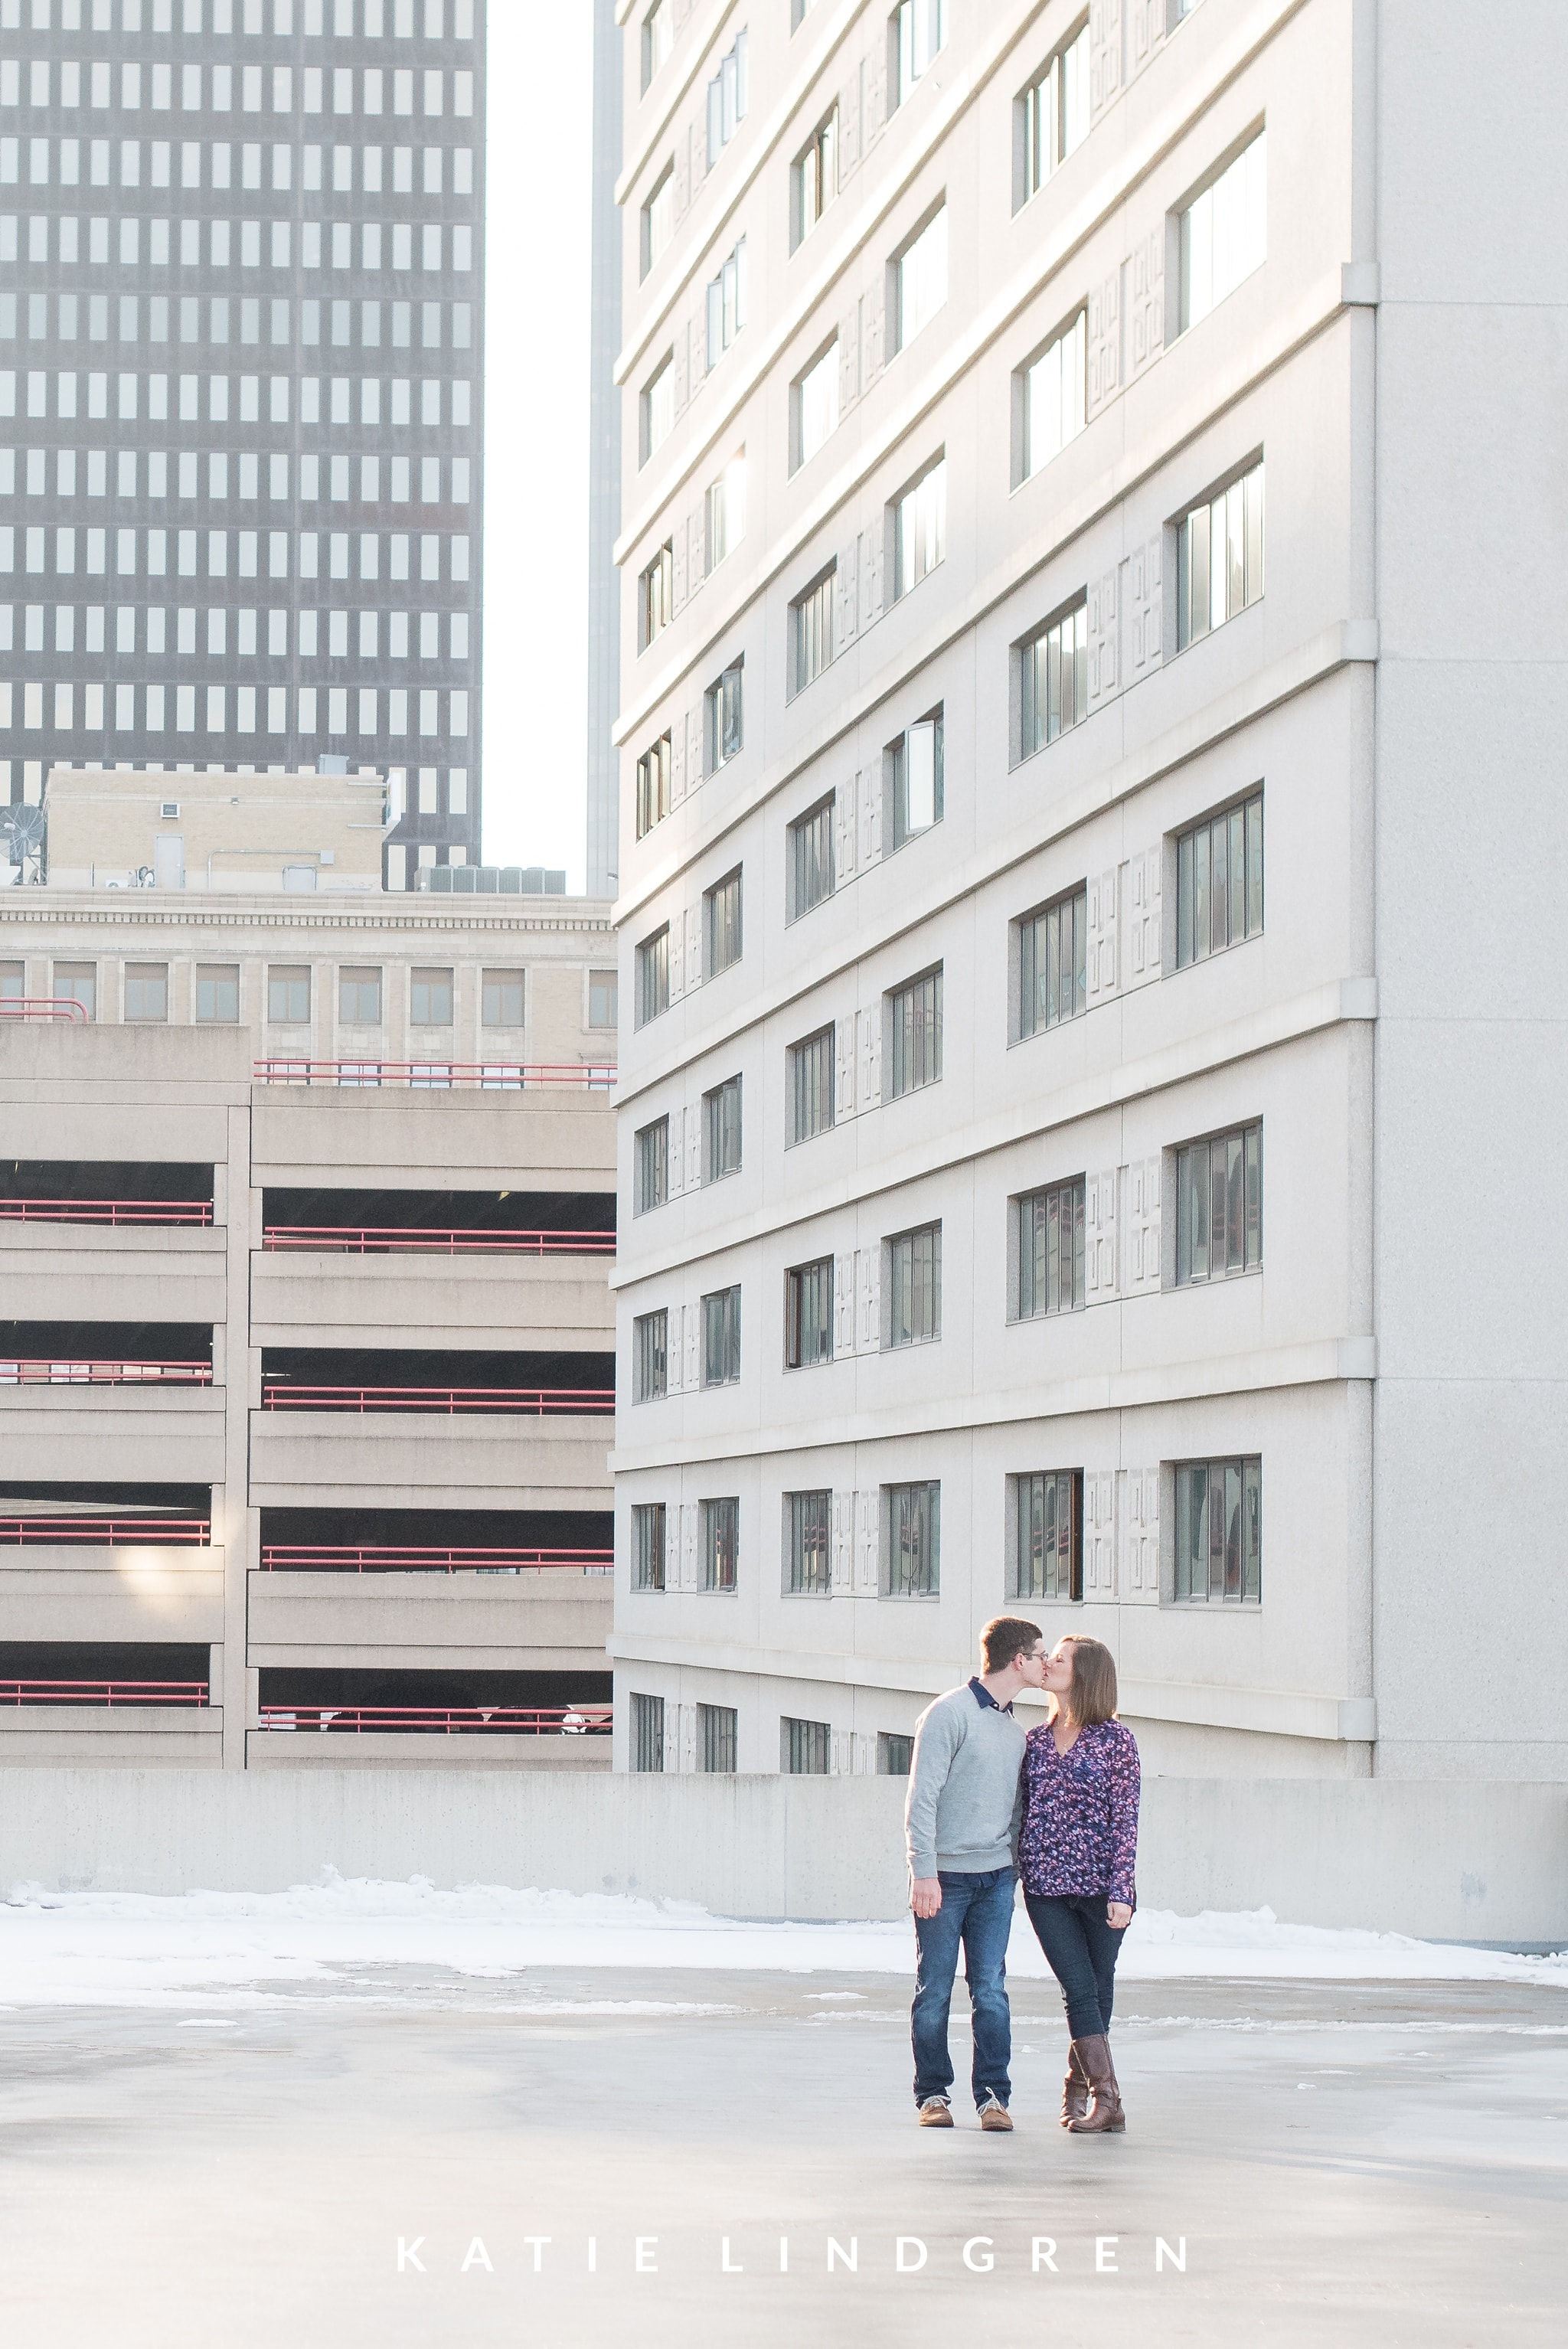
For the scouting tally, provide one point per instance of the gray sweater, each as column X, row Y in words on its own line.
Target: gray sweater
column 965, row 1790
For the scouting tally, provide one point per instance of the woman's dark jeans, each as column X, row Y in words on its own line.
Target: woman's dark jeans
column 1081, row 1950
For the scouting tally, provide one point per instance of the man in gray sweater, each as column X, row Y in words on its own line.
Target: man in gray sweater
column 961, row 1823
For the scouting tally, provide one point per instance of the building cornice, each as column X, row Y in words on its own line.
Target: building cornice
column 1323, row 1362
column 46, row 908
column 1281, row 1712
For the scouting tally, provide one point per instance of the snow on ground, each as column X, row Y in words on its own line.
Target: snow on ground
column 238, row 1949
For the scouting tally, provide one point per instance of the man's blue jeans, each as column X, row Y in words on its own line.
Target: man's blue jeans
column 976, row 1914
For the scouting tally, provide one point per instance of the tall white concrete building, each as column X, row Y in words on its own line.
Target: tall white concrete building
column 1090, row 670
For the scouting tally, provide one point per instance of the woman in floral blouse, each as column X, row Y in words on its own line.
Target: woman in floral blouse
column 1075, row 1854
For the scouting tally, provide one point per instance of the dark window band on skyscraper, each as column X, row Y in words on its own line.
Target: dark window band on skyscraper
column 241, row 399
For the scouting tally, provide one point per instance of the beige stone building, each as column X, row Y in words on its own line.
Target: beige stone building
column 306, row 1214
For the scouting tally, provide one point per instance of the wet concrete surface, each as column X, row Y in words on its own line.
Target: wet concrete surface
column 585, row 2156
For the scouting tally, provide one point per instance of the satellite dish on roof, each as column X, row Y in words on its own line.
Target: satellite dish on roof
column 25, row 832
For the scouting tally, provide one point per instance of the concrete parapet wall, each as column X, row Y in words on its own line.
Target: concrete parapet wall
column 1482, row 1861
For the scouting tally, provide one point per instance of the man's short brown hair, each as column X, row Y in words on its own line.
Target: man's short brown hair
column 1004, row 1639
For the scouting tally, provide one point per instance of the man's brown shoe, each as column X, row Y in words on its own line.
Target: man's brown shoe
column 935, row 2113
column 995, row 2115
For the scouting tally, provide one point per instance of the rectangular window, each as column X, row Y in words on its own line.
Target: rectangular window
column 659, row 216
column 1051, row 116
column 808, row 1555
column 647, row 1732
column 812, row 630
column 725, row 514
column 1223, row 233
column 914, row 1287
column 1219, row 1531
column 1051, row 1249
column 715, row 1738
column 604, row 999
column 650, row 1357
column 501, row 998
column 655, row 770
column 811, row 1078
column 726, row 96
column 1048, row 1535
column 430, row 999
column 1052, row 393
column 918, row 29
column 1219, row 1206
column 1220, row 558
column 817, row 405
column 805, row 1748
column 146, row 990
column 77, row 982
column 920, row 529
column 1220, row 883
column 217, row 993
column 912, row 771
column 721, row 1338
column 721, row 1131
column 914, row 1018
column 652, row 1150
column 658, row 37
column 914, row 1540
column 809, row 1314
column 720, row 1542
column 1052, row 963
column 648, row 1547
column 816, row 178
column 811, row 860
column 658, row 407
column 721, row 930
column 1052, row 680
column 895, row 1754
column 726, row 305
column 654, row 976
column 656, row 596
column 722, row 718
column 360, row 998
column 288, row 993
column 921, row 280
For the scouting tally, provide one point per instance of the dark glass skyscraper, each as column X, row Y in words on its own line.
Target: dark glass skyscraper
column 241, row 384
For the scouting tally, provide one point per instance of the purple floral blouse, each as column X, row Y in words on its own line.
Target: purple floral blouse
column 1080, row 1813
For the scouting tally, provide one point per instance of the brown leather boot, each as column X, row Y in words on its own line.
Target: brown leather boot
column 1075, row 2088
column 1105, row 2116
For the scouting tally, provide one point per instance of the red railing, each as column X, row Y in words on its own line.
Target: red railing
column 108, row 1532
column 513, row 1721
column 441, row 1076
column 393, row 1239
column 283, row 1558
column 104, row 1693
column 106, row 1211
column 43, row 1006
column 532, row 1403
column 106, row 1375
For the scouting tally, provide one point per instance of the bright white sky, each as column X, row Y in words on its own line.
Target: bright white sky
column 537, row 218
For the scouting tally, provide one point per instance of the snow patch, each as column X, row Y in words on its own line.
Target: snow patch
column 236, row 1951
